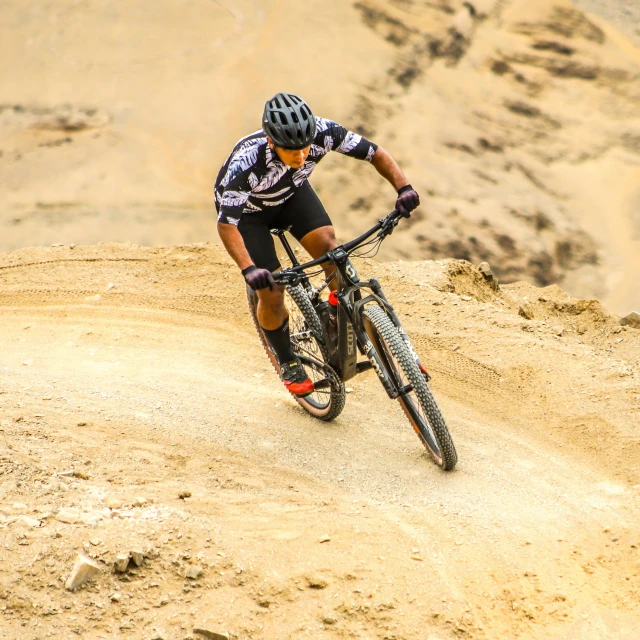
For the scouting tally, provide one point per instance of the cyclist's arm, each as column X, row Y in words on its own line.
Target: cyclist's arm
column 234, row 244
column 388, row 168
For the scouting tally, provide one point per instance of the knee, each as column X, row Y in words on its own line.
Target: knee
column 274, row 299
column 330, row 239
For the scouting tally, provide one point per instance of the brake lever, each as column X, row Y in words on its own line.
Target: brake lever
column 287, row 278
column 387, row 228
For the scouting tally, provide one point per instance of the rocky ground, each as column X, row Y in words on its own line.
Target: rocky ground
column 143, row 427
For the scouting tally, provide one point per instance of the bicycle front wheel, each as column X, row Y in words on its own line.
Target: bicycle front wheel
column 416, row 400
column 327, row 401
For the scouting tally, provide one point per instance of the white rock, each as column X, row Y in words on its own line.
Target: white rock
column 121, row 562
column 193, row 571
column 84, row 569
column 69, row 516
column 113, row 503
column 139, row 502
column 92, row 517
column 26, row 521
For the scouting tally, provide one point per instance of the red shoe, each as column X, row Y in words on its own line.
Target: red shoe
column 295, row 378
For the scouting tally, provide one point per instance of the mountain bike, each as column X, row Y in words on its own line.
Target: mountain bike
column 328, row 335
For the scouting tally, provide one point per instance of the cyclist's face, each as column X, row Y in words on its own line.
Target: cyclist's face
column 292, row 158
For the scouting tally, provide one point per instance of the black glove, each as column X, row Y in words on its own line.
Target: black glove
column 407, row 201
column 258, row 278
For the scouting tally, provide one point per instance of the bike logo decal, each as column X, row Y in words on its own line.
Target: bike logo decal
column 374, row 362
column 351, row 343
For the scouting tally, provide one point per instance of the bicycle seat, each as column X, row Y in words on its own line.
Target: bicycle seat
column 279, row 232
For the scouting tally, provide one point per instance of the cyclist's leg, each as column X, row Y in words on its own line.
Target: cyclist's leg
column 271, row 310
column 311, row 225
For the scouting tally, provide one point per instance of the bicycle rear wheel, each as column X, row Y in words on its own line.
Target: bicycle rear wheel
column 417, row 402
column 326, row 402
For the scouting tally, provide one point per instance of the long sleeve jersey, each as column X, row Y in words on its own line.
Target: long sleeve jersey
column 253, row 178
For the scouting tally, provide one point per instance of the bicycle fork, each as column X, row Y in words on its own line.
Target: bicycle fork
column 375, row 361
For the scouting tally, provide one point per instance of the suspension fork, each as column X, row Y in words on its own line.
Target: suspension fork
column 377, row 289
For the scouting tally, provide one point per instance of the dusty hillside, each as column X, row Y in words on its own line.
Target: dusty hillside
column 517, row 121
column 130, row 377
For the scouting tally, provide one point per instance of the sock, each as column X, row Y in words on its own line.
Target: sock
column 280, row 342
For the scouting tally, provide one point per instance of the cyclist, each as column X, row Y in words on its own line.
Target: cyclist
column 264, row 185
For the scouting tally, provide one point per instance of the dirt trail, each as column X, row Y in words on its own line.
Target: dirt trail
column 137, row 371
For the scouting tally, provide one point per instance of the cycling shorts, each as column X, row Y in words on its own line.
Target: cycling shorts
column 303, row 212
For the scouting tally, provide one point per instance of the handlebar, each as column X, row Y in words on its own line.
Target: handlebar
column 384, row 228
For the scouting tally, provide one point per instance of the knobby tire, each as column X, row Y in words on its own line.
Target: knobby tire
column 325, row 404
column 430, row 427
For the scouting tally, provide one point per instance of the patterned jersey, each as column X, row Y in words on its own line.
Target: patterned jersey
column 253, row 178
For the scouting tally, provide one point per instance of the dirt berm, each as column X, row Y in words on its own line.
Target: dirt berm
column 139, row 414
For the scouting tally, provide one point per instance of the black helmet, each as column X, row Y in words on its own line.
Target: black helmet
column 288, row 121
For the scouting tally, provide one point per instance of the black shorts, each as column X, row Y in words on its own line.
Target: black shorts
column 303, row 212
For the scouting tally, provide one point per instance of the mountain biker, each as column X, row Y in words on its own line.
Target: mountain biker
column 264, row 185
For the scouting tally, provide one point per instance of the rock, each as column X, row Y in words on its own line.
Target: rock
column 139, row 502
column 68, row 516
column 211, row 635
column 84, row 569
column 121, row 562
column 324, row 539
column 193, row 571
column 26, row 521
column 159, row 635
column 329, row 620
column 115, row 597
column 113, row 503
column 559, row 331
column 137, row 557
column 487, row 274
column 152, row 553
column 184, row 494
column 316, row 582
column 93, row 517
column 19, row 507
column 525, row 312
column 631, row 320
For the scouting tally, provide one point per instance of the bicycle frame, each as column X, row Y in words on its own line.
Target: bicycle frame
column 352, row 336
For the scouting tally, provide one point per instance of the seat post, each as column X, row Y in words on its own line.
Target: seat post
column 285, row 243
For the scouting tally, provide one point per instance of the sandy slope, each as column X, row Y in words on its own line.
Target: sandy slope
column 137, row 370
column 519, row 126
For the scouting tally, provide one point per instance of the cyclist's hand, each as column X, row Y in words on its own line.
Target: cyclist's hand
column 258, row 278
column 407, row 201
